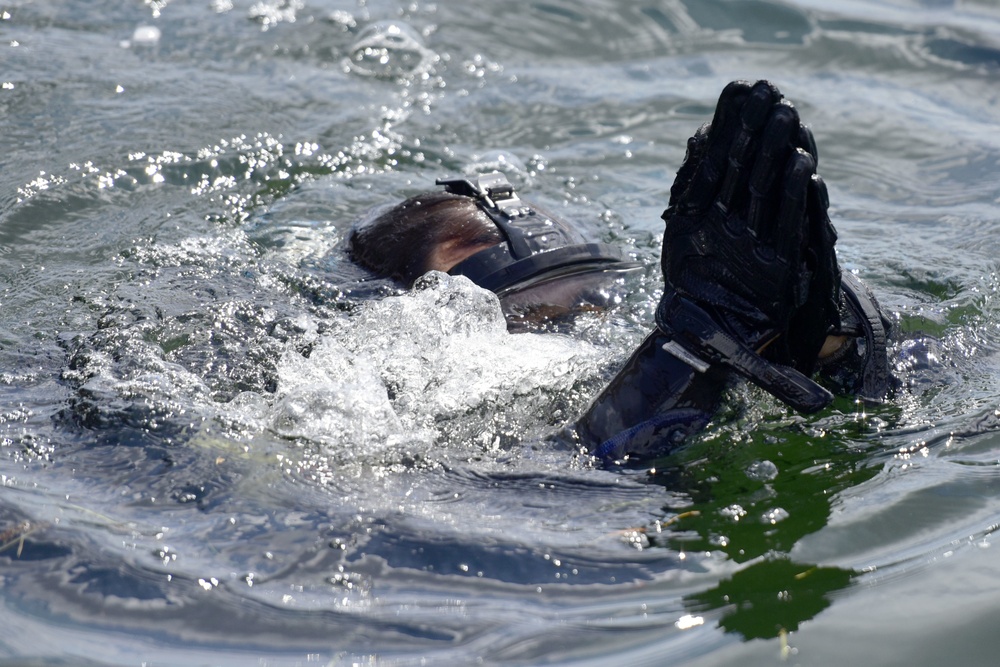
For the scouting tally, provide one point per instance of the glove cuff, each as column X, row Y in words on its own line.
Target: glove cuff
column 862, row 366
column 699, row 341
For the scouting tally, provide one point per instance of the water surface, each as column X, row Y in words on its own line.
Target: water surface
column 224, row 444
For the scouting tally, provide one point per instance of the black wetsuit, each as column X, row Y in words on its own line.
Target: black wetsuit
column 657, row 399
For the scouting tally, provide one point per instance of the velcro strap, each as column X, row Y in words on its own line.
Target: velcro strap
column 699, row 334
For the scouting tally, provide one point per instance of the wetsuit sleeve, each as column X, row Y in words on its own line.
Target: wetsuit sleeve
column 653, row 404
column 657, row 399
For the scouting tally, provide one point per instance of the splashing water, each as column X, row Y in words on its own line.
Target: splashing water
column 390, row 50
column 436, row 365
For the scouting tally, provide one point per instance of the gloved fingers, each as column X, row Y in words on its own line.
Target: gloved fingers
column 772, row 156
column 703, row 189
column 730, row 102
column 789, row 225
column 820, row 196
column 823, row 239
column 822, row 235
column 807, row 142
column 754, row 114
column 692, row 158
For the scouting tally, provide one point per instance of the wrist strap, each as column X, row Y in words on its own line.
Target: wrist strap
column 697, row 334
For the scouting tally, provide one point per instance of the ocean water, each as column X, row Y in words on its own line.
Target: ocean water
column 222, row 444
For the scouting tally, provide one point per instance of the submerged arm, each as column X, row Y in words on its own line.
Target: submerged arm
column 654, row 402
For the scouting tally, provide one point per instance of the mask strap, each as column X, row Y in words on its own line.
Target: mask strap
column 496, row 197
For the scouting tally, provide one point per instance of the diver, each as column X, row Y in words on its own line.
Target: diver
column 752, row 287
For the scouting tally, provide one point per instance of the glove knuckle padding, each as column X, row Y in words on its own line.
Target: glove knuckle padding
column 807, row 142
column 748, row 244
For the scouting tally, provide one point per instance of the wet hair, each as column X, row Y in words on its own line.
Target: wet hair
column 405, row 241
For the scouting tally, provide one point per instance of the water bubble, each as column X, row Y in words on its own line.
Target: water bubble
column 775, row 515
column 269, row 14
column 344, row 19
column 734, row 512
column 333, row 398
column 497, row 160
column 762, row 471
column 688, row 621
column 425, row 367
column 146, row 35
column 389, row 50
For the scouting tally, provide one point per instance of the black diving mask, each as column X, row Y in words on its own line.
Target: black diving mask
column 537, row 248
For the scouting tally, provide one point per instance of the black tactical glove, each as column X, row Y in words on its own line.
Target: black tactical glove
column 751, row 279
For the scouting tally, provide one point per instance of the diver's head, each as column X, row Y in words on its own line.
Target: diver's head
column 539, row 266
column 432, row 231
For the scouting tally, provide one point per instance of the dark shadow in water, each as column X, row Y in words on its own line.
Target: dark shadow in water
column 972, row 55
column 771, row 597
column 25, row 540
column 753, row 490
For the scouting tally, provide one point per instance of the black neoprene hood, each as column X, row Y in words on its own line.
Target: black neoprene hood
column 536, row 247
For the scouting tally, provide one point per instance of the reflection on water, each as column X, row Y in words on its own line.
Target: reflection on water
column 224, row 443
column 782, row 475
column 771, row 597
column 753, row 495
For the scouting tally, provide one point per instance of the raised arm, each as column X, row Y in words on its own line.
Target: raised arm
column 751, row 283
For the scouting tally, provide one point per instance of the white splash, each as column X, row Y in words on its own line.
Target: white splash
column 437, row 364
